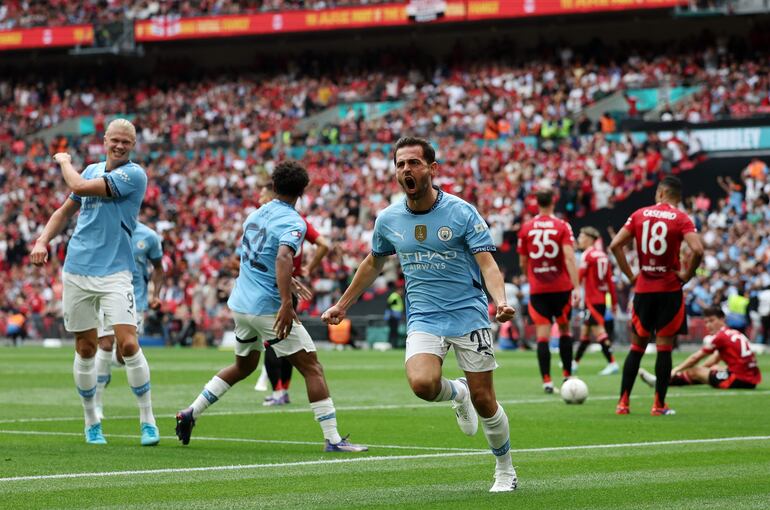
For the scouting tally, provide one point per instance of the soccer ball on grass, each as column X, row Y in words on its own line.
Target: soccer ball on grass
column 574, row 391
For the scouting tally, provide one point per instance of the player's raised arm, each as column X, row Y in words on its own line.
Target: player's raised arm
column 622, row 238
column 76, row 183
column 367, row 272
column 493, row 280
column 57, row 222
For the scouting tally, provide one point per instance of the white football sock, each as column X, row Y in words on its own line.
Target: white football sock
column 499, row 437
column 103, row 374
column 451, row 390
column 326, row 416
column 138, row 375
column 212, row 392
column 85, row 382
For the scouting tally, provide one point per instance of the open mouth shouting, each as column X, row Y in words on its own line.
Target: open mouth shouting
column 410, row 184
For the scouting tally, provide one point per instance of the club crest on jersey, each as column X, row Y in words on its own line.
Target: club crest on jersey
column 421, row 232
column 140, row 245
column 445, row 233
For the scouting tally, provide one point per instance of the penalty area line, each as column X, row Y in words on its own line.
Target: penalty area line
column 380, row 458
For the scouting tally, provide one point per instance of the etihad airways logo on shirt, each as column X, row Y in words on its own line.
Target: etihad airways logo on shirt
column 91, row 203
column 425, row 260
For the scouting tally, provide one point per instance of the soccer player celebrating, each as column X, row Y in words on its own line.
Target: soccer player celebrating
column 444, row 248
column 596, row 275
column 263, row 310
column 97, row 269
column 279, row 370
column 721, row 344
column 547, row 256
column 658, row 307
column 147, row 249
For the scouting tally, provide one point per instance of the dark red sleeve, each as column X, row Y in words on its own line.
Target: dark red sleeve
column 312, row 234
column 686, row 225
column 567, row 237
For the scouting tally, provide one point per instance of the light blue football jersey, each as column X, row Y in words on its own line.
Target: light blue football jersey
column 444, row 294
column 264, row 231
column 101, row 243
column 147, row 247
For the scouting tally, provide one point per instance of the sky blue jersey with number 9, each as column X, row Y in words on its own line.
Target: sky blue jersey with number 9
column 436, row 248
column 273, row 225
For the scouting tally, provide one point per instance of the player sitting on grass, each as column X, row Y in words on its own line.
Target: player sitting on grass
column 722, row 344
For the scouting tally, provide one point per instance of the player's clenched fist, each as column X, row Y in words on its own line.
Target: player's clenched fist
column 62, row 157
column 39, row 254
column 504, row 313
column 333, row 315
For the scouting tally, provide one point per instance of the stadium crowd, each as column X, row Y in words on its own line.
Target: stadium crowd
column 45, row 13
column 209, row 145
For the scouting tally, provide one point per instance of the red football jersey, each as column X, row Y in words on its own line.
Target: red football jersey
column 735, row 351
column 541, row 239
column 310, row 236
column 658, row 230
column 596, row 275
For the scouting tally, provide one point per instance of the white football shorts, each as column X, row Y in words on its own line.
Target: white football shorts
column 474, row 352
column 252, row 331
column 101, row 331
column 84, row 296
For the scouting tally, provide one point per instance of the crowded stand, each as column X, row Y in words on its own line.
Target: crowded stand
column 501, row 130
column 46, row 13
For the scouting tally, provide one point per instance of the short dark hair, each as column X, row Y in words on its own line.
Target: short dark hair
column 673, row 185
column 544, row 197
column 428, row 153
column 714, row 311
column 290, row 178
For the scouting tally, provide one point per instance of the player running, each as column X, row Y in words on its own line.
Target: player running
column 444, row 248
column 278, row 370
column 97, row 269
column 658, row 306
column 721, row 344
column 547, row 256
column 596, row 275
column 147, row 248
column 263, row 310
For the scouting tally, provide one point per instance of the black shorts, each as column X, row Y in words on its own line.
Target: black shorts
column 659, row 314
column 594, row 314
column 725, row 380
column 550, row 307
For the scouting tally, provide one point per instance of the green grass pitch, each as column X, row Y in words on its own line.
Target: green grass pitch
column 714, row 454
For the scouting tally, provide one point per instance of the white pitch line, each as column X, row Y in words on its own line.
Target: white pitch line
column 385, row 407
column 247, row 440
column 370, row 459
